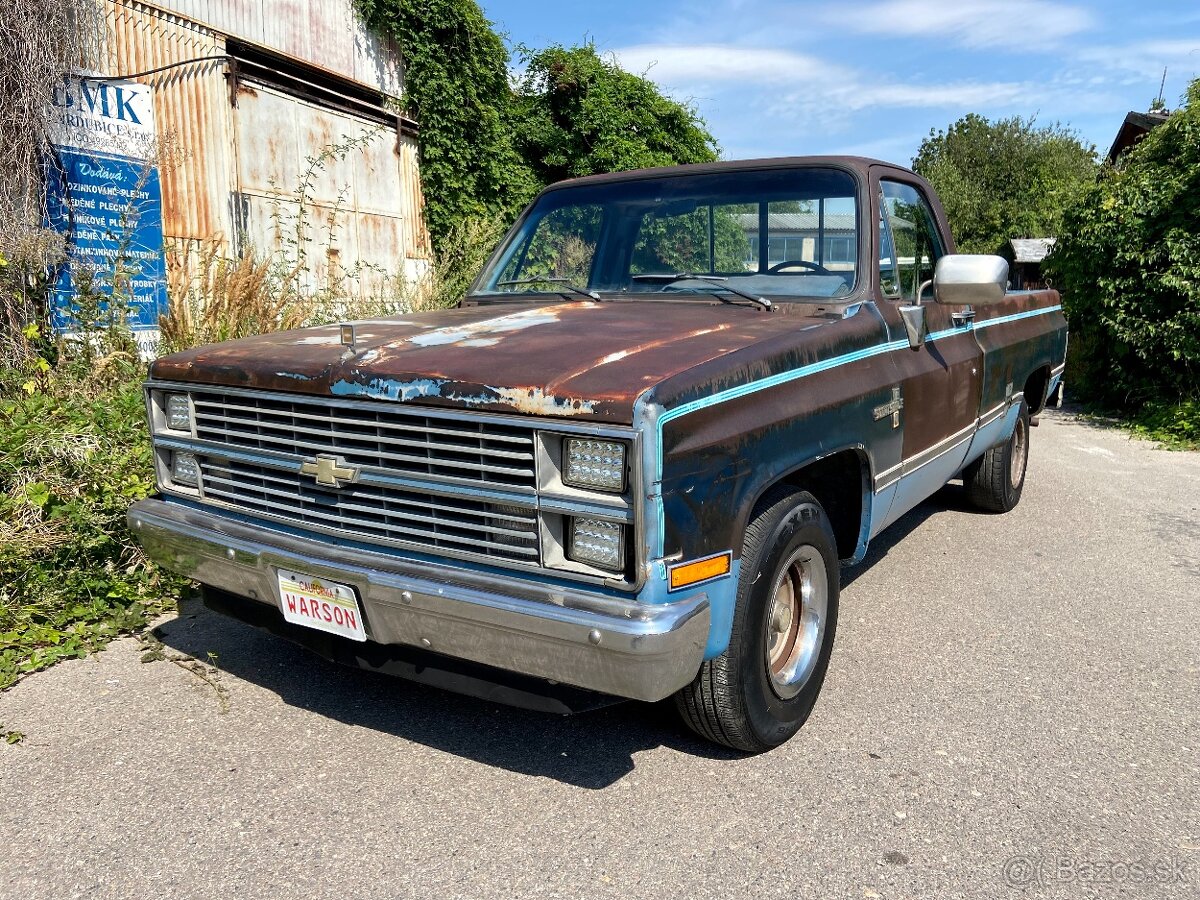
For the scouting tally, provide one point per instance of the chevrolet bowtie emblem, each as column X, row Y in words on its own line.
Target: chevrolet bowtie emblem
column 329, row 470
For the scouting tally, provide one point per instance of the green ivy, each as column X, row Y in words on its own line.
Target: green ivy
column 1128, row 264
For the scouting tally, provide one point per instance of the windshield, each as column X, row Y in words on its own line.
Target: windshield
column 779, row 233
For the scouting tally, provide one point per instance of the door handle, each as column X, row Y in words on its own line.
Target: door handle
column 963, row 317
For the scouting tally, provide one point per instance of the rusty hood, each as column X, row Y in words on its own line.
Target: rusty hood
column 579, row 359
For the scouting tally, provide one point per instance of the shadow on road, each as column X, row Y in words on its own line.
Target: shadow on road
column 952, row 497
column 591, row 750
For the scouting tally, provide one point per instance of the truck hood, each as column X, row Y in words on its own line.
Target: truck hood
column 579, row 359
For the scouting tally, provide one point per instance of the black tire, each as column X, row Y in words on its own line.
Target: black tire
column 733, row 699
column 994, row 481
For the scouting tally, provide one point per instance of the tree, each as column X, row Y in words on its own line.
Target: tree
column 39, row 41
column 1128, row 263
column 1004, row 179
column 577, row 113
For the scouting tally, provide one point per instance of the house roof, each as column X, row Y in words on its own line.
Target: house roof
column 801, row 221
column 1031, row 250
column 1135, row 127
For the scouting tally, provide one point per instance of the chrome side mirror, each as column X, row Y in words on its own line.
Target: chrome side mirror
column 965, row 278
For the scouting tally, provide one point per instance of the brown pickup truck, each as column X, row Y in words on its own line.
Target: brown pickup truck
column 631, row 462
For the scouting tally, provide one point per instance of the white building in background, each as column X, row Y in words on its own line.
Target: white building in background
column 247, row 94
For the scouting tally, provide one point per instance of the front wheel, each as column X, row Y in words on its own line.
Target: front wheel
column 758, row 693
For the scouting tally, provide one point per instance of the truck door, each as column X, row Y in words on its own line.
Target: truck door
column 940, row 382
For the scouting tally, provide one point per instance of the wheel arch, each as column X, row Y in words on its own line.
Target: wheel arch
column 1035, row 389
column 841, row 482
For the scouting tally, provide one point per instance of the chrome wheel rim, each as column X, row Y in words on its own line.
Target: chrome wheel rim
column 1016, row 463
column 796, row 621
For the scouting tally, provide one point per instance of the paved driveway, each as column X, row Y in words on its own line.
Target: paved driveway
column 1011, row 711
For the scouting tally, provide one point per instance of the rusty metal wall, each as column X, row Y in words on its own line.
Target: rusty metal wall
column 332, row 192
column 325, row 33
column 416, row 236
column 191, row 109
column 233, row 171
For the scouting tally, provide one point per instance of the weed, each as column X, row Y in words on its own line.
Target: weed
column 156, row 651
column 11, row 736
column 73, row 456
column 1174, row 424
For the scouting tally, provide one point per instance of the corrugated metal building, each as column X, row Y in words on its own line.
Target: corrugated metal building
column 279, row 127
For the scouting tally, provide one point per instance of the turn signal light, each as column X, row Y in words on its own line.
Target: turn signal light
column 699, row 570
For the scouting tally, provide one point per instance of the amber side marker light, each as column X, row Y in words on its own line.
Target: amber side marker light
column 684, row 574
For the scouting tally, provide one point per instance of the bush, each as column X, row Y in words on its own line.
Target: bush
column 73, row 455
column 1128, row 264
column 577, row 113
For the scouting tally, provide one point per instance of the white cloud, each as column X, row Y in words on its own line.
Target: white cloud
column 1147, row 58
column 964, row 95
column 1012, row 24
column 768, row 78
column 713, row 64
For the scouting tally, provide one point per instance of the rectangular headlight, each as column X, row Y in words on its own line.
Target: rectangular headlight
column 593, row 464
column 598, row 543
column 178, row 412
column 185, row 469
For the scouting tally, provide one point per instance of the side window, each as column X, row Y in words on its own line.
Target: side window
column 912, row 243
column 889, row 274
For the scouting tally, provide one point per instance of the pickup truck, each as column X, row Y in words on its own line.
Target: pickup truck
column 631, row 462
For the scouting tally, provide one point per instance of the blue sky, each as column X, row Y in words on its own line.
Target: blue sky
column 778, row 78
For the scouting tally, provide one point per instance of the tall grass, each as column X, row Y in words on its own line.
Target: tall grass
column 214, row 297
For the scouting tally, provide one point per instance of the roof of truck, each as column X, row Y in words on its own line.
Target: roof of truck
column 858, row 163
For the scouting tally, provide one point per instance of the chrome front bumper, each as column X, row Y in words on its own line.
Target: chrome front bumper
column 612, row 645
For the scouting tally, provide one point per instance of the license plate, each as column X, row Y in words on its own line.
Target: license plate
column 321, row 604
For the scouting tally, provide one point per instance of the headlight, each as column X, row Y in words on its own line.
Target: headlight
column 598, row 543
column 185, row 469
column 178, row 412
column 599, row 465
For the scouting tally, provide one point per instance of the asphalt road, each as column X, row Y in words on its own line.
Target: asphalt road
column 1011, row 711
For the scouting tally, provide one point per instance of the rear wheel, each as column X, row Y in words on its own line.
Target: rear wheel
column 758, row 693
column 994, row 481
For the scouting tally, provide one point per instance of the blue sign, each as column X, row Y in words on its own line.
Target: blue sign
column 103, row 193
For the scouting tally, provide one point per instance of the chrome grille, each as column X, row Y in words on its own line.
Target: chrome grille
column 396, row 439
column 428, row 522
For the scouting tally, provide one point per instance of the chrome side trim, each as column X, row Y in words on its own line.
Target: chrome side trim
column 592, row 640
column 946, row 444
column 888, row 477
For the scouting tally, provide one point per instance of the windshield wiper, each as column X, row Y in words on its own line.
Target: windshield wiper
column 714, row 279
column 565, row 282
